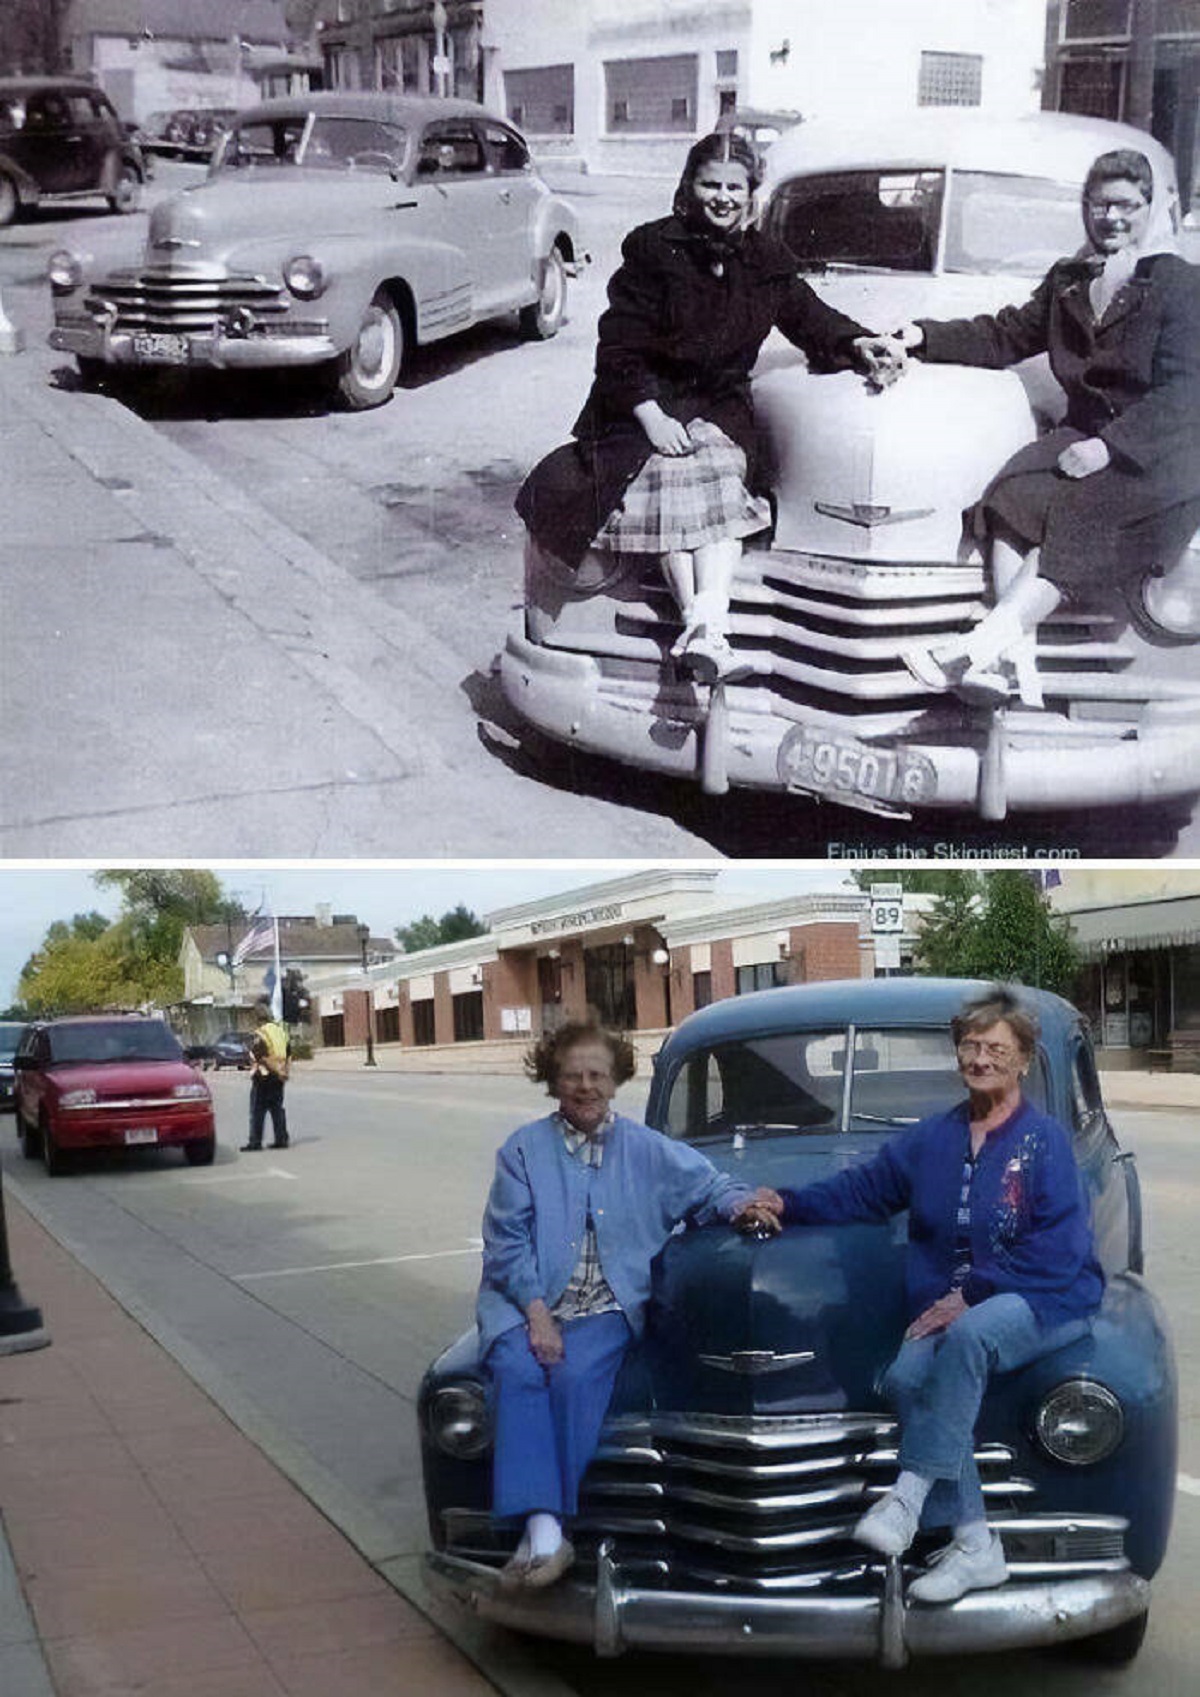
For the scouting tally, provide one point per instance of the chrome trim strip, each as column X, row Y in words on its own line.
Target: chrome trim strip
column 131, row 1104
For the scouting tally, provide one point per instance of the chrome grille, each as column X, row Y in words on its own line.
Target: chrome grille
column 762, row 1503
column 183, row 301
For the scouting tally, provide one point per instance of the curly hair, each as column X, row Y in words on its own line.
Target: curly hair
column 543, row 1058
column 1124, row 164
column 1000, row 1002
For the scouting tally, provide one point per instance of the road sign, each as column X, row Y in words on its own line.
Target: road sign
column 887, row 909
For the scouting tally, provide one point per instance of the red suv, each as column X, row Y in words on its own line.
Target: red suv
column 109, row 1081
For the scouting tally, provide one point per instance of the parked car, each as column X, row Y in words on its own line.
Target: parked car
column 61, row 137
column 192, row 132
column 747, row 1434
column 10, row 1036
column 232, row 1049
column 942, row 214
column 109, row 1082
column 335, row 230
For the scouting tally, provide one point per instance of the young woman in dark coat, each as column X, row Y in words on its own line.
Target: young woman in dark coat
column 1115, row 492
column 664, row 457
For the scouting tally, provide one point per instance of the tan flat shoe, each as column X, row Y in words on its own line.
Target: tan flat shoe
column 548, row 1570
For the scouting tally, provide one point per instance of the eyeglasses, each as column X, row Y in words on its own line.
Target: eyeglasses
column 585, row 1078
column 1125, row 208
column 970, row 1047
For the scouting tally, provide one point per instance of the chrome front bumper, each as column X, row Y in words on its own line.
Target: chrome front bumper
column 615, row 1615
column 1031, row 762
column 219, row 352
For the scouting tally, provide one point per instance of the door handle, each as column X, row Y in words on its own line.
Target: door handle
column 506, row 196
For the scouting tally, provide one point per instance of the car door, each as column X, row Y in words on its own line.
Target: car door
column 51, row 144
column 512, row 226
column 457, row 202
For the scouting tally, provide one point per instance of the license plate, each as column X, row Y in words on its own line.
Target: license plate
column 142, row 1134
column 848, row 770
column 161, row 348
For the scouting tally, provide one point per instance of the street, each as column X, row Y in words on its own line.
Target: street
column 414, row 503
column 307, row 1290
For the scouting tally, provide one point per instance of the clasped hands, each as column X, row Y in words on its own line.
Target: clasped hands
column 759, row 1215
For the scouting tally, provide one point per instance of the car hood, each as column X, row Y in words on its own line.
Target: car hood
column 205, row 221
column 801, row 1322
column 116, row 1079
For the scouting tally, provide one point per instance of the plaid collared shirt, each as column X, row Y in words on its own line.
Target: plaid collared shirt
column 588, row 1291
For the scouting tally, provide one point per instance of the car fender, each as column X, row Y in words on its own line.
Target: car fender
column 555, row 225
column 27, row 188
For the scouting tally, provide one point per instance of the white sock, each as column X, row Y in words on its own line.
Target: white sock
column 974, row 1537
column 912, row 1491
column 544, row 1532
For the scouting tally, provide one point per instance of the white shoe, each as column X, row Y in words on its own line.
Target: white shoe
column 709, row 658
column 923, row 664
column 954, row 1571
column 889, row 1527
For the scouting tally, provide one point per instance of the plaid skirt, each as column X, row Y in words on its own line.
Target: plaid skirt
column 682, row 501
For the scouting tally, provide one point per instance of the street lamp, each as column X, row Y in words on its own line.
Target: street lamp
column 364, row 937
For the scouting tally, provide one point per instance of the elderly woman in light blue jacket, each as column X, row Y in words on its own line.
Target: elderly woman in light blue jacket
column 581, row 1203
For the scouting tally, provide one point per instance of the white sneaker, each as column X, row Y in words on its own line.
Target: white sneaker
column 889, row 1527
column 709, row 658
column 954, row 1571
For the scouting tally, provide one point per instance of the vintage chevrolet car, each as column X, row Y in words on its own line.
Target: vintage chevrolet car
column 333, row 230
column 944, row 215
column 747, row 1433
column 60, row 138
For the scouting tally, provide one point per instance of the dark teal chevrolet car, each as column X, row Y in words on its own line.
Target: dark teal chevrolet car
column 747, row 1432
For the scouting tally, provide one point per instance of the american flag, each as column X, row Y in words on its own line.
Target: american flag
column 260, row 936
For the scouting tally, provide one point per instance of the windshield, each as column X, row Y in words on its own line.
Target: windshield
column 796, row 1082
column 890, row 220
column 10, row 1036
column 113, row 1040
column 325, row 142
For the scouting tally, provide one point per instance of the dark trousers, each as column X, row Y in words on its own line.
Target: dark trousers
column 266, row 1097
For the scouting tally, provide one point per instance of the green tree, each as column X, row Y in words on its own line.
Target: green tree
column 1008, row 931
column 161, row 903
column 944, row 937
column 428, row 932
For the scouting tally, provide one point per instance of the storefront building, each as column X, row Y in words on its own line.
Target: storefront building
column 640, row 952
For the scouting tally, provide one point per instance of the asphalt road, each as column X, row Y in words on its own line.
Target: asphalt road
column 309, row 1289
column 415, row 501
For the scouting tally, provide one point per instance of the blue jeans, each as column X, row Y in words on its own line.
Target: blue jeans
column 936, row 1385
column 548, row 1419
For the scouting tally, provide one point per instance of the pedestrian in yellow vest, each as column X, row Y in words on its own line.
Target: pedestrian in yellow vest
column 271, row 1048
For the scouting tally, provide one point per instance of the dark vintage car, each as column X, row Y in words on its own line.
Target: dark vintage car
column 193, row 132
column 747, row 1433
column 334, row 231
column 60, row 137
column 10, row 1036
column 109, row 1082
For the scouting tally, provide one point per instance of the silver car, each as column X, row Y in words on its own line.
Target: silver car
column 333, row 230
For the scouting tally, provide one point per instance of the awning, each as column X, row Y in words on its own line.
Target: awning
column 1140, row 925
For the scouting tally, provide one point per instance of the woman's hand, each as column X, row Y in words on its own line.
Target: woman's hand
column 882, row 359
column 759, row 1214
column 1081, row 459
column 940, row 1314
column 910, row 336
column 545, row 1334
column 667, row 435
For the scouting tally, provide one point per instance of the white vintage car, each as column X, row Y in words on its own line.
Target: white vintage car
column 333, row 230
column 947, row 214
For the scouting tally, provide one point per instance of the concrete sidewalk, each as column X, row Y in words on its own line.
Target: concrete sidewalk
column 155, row 1549
column 157, row 620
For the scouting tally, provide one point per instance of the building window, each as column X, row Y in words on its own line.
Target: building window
column 702, row 989
column 652, row 96
column 542, row 101
column 1092, row 88
column 333, row 1030
column 727, row 100
column 468, row 1016
column 387, row 1025
column 1095, row 20
column 950, row 79
column 764, row 975
column 727, row 63
column 424, row 1031
column 608, row 985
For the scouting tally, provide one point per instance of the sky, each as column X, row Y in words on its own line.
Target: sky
column 32, row 897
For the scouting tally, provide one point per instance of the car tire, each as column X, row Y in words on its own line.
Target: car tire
column 365, row 375
column 200, row 1154
column 53, row 1158
column 124, row 191
column 31, row 1143
column 545, row 318
column 1114, row 1648
column 10, row 201
column 92, row 372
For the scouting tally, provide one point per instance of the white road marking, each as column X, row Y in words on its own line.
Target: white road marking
column 1186, row 1482
column 235, row 1178
column 348, row 1266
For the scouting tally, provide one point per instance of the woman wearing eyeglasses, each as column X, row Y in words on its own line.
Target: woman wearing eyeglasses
column 1112, row 497
column 999, row 1270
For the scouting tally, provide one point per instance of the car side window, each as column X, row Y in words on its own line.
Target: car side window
column 506, row 152
column 1087, row 1104
column 353, row 141
column 450, row 149
column 47, row 112
column 83, row 111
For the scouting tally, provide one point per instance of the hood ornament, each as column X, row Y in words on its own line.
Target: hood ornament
column 753, row 1362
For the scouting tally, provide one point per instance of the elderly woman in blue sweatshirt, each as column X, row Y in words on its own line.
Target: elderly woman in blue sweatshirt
column 580, row 1204
column 1000, row 1269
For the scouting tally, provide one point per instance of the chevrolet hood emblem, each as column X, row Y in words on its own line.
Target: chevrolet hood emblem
column 753, row 1362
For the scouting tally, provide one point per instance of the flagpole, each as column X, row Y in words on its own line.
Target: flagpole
column 277, row 991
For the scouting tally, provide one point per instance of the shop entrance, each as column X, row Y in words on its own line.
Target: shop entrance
column 608, row 985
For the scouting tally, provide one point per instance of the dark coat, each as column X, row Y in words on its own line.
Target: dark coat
column 677, row 334
column 1133, row 379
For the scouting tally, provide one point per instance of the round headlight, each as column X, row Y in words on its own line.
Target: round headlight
column 304, row 277
column 458, row 1421
column 1080, row 1422
column 64, row 270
